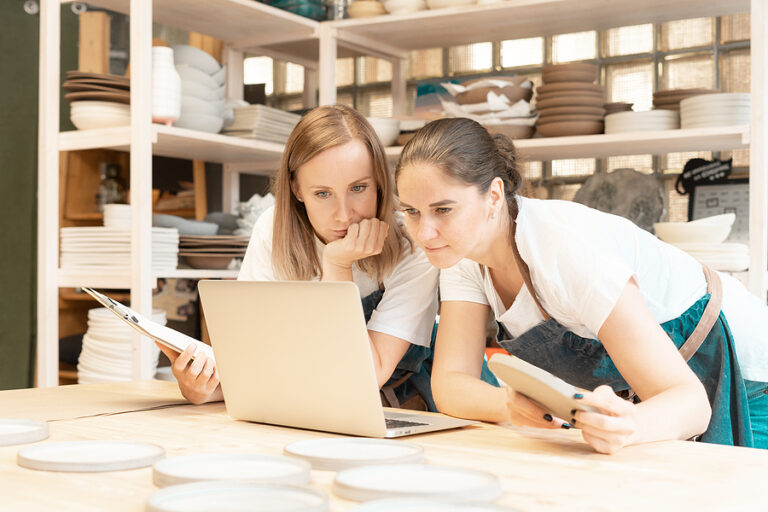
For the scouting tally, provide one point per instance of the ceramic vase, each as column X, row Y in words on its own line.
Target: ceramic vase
column 166, row 87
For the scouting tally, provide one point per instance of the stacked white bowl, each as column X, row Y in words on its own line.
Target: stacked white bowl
column 166, row 86
column 704, row 239
column 648, row 121
column 712, row 110
column 386, row 128
column 202, row 89
column 107, row 348
column 117, row 216
column 93, row 115
column 404, row 6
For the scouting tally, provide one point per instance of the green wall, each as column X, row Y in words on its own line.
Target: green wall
column 19, row 43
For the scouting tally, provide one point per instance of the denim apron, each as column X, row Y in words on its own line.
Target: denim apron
column 413, row 373
column 585, row 363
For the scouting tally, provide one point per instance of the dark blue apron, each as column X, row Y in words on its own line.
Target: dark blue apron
column 585, row 363
column 413, row 373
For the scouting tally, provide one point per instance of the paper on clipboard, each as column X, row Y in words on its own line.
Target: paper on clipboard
column 159, row 333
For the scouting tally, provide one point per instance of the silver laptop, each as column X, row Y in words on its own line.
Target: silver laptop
column 297, row 354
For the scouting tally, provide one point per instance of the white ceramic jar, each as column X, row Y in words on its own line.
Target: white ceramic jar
column 166, row 87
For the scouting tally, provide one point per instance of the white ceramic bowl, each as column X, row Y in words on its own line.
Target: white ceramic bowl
column 192, row 74
column 98, row 120
column 195, row 57
column 192, row 105
column 404, row 6
column 200, row 122
column 387, row 129
column 691, row 232
column 185, row 226
column 197, row 90
column 221, row 75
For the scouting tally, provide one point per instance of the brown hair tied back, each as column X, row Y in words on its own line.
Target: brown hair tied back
column 465, row 150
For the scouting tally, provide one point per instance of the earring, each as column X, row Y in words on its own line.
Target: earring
column 493, row 215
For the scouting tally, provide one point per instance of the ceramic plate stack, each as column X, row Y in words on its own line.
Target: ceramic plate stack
column 711, row 110
column 107, row 348
column 569, row 102
column 202, row 89
column 262, row 123
column 212, row 252
column 108, row 250
column 618, row 106
column 648, row 121
column 670, row 99
column 98, row 100
column 723, row 257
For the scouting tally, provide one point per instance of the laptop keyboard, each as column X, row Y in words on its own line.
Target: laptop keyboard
column 392, row 423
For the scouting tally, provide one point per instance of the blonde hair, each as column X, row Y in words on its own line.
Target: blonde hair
column 294, row 253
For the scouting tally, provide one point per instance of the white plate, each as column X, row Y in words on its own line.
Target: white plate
column 729, row 248
column 339, row 453
column 416, row 480
column 236, row 497
column 243, row 467
column 19, row 431
column 426, row 505
column 90, row 456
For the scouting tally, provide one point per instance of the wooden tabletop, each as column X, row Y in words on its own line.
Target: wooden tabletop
column 540, row 470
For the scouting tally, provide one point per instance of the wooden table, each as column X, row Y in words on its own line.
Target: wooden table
column 540, row 470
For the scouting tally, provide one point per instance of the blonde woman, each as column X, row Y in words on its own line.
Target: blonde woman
column 334, row 220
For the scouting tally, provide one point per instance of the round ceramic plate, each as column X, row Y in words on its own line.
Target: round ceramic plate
column 426, row 505
column 18, row 431
column 339, row 453
column 416, row 481
column 242, row 467
column 235, row 497
column 90, row 456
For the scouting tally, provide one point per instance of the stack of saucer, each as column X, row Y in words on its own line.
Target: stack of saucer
column 648, row 121
column 365, row 9
column 262, row 123
column 97, row 86
column 212, row 252
column 107, row 348
column 670, row 99
column 106, row 249
column 569, row 102
column 711, row 110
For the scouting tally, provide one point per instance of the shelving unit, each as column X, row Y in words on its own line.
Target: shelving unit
column 250, row 26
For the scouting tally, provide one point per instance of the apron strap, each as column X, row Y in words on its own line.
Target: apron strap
column 522, row 267
column 708, row 317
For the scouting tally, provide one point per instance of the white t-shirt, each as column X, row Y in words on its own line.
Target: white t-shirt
column 581, row 259
column 408, row 307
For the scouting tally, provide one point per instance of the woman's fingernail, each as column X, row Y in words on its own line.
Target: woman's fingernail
column 566, row 426
column 548, row 417
column 578, row 396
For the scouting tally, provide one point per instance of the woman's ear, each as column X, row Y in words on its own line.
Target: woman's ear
column 496, row 196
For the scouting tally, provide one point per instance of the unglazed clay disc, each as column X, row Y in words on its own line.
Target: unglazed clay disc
column 90, row 456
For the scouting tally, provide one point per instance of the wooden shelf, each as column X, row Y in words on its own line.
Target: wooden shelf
column 112, row 281
column 179, row 143
column 516, row 19
column 241, row 24
column 636, row 143
column 197, row 273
